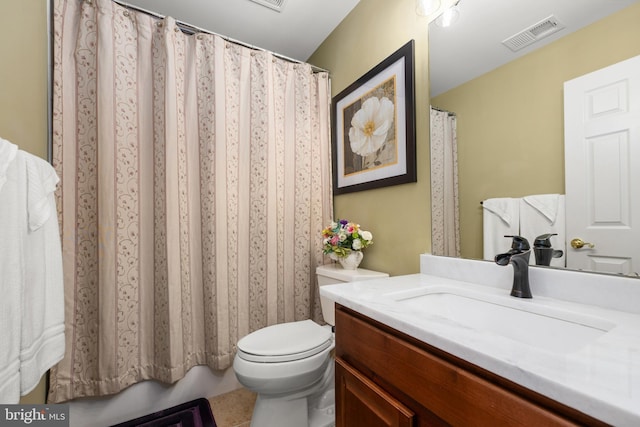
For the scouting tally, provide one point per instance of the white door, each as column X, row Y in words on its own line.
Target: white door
column 602, row 168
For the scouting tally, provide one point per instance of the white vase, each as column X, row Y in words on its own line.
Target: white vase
column 351, row 261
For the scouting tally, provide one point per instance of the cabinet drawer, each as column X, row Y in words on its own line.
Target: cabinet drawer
column 364, row 403
column 419, row 378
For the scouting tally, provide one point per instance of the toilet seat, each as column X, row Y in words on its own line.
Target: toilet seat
column 285, row 342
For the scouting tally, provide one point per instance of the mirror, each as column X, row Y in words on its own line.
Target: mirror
column 509, row 105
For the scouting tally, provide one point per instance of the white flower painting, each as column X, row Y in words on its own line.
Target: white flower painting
column 373, row 134
column 370, row 126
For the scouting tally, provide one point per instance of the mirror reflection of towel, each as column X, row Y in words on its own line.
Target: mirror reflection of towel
column 546, row 204
column 500, row 217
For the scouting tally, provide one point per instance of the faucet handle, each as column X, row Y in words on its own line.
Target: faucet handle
column 544, row 241
column 519, row 244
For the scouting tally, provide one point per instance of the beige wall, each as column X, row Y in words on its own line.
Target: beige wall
column 399, row 216
column 23, row 87
column 23, row 74
column 510, row 121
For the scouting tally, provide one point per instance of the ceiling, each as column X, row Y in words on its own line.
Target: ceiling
column 295, row 32
column 469, row 48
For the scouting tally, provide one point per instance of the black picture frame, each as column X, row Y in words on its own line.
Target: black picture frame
column 361, row 158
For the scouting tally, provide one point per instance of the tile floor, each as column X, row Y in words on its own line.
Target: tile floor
column 233, row 409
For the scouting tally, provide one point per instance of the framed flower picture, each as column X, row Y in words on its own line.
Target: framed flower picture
column 373, row 134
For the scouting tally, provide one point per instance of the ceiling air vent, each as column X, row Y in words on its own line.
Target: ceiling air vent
column 276, row 5
column 534, row 33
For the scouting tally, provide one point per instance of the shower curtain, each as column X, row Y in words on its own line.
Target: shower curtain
column 195, row 183
column 445, row 227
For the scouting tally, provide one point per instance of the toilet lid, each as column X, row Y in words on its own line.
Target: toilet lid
column 285, row 342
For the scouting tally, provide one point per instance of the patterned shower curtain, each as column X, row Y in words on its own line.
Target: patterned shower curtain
column 445, row 222
column 195, row 185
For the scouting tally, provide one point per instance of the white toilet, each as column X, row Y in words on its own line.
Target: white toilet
column 290, row 365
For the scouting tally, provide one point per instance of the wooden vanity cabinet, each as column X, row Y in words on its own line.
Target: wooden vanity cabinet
column 386, row 378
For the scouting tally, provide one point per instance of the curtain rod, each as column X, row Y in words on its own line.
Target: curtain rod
column 444, row 111
column 192, row 29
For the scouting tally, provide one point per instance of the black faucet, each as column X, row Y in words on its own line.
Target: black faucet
column 518, row 256
column 543, row 250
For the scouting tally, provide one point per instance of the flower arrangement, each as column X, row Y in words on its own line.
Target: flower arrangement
column 342, row 237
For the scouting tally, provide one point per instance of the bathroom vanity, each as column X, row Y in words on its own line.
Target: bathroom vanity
column 449, row 346
column 384, row 377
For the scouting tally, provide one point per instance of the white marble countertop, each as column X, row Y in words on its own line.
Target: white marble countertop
column 601, row 378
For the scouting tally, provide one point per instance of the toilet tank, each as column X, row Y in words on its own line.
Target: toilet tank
column 331, row 274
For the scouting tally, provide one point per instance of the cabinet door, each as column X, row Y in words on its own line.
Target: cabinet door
column 362, row 403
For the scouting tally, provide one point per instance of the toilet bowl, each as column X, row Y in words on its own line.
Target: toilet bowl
column 290, row 367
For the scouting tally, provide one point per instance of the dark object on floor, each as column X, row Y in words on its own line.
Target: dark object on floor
column 196, row 413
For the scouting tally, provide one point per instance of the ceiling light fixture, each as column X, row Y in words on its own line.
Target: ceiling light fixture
column 449, row 16
column 427, row 7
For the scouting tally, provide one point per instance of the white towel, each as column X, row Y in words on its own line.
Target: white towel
column 42, row 180
column 13, row 225
column 7, row 154
column 31, row 286
column 546, row 204
column 500, row 217
column 542, row 214
column 42, row 336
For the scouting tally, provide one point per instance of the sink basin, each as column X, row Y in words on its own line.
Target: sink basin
column 524, row 321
